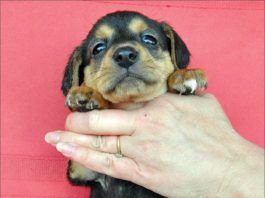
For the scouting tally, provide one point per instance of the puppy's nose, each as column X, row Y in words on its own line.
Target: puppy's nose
column 125, row 56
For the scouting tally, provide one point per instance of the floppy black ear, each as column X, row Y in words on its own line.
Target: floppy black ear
column 72, row 71
column 179, row 52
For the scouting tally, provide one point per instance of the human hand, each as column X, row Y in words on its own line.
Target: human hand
column 177, row 146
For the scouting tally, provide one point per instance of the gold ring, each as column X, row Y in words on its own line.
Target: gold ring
column 119, row 153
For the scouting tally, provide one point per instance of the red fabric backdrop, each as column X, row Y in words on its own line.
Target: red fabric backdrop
column 225, row 38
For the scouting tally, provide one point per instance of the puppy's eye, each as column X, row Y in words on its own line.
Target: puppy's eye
column 99, row 48
column 149, row 39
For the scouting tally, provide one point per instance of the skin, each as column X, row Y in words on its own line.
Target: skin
column 177, row 146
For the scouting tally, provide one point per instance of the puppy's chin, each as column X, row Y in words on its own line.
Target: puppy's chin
column 130, row 85
column 128, row 89
column 134, row 90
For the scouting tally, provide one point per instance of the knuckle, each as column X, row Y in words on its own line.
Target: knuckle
column 83, row 157
column 107, row 143
column 98, row 142
column 109, row 161
column 108, row 164
column 111, row 165
column 94, row 119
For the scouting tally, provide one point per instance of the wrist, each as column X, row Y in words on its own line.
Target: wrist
column 246, row 175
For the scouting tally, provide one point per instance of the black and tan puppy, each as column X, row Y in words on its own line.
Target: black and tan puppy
column 126, row 59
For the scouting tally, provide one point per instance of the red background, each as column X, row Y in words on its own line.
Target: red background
column 225, row 38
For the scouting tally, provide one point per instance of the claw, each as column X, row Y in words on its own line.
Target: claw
column 68, row 101
column 77, row 101
column 191, row 85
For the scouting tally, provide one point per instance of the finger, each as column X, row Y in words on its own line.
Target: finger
column 105, row 122
column 106, row 163
column 99, row 143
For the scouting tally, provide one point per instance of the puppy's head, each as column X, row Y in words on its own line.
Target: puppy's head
column 127, row 57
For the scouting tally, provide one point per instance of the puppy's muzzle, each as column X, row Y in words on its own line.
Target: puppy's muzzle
column 125, row 57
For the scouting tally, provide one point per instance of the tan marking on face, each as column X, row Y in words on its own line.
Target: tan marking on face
column 104, row 32
column 137, row 25
column 93, row 76
column 159, row 70
column 131, row 89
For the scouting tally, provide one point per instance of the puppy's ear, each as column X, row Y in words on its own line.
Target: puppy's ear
column 72, row 73
column 179, row 52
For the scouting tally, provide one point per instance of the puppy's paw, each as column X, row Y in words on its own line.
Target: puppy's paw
column 84, row 99
column 187, row 82
column 77, row 174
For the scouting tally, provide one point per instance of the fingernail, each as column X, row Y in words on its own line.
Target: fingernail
column 52, row 137
column 65, row 148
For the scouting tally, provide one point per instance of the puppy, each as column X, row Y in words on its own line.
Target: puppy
column 126, row 59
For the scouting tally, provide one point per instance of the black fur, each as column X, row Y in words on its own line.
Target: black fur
column 118, row 188
column 68, row 73
column 122, row 189
column 182, row 52
column 118, row 21
column 82, row 53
